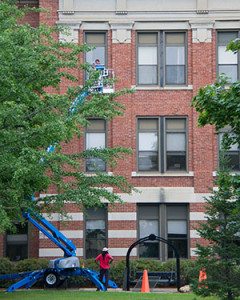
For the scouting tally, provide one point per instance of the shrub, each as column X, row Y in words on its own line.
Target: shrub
column 117, row 272
column 31, row 264
column 187, row 269
column 6, row 267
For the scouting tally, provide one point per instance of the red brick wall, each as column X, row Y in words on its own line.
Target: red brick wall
column 51, row 17
column 1, row 245
column 202, row 144
column 32, row 17
column 33, row 242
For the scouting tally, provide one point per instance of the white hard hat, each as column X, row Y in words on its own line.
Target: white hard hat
column 105, row 249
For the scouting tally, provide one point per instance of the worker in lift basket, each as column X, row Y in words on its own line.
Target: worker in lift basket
column 104, row 260
column 97, row 62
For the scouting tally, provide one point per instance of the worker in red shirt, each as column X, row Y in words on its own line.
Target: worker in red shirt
column 104, row 260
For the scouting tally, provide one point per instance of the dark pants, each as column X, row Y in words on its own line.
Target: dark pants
column 104, row 272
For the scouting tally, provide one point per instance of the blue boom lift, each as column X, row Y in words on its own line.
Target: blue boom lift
column 61, row 269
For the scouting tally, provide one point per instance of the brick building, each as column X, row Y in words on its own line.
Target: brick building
column 165, row 50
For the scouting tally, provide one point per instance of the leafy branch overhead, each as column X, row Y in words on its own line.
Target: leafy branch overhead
column 34, row 113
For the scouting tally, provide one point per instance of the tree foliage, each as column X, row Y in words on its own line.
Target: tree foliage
column 219, row 105
column 221, row 230
column 35, row 114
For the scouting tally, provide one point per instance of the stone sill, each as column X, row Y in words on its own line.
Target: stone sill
column 157, row 174
column 157, row 88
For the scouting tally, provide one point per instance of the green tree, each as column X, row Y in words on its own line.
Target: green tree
column 221, row 256
column 219, row 105
column 32, row 62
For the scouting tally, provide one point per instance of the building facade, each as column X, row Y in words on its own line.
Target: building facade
column 165, row 50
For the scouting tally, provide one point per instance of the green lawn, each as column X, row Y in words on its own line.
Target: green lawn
column 77, row 295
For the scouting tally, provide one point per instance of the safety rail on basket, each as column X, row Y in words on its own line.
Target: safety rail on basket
column 105, row 83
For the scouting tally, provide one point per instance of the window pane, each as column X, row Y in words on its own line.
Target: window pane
column 148, row 161
column 98, row 53
column 147, row 74
column 17, row 238
column 95, row 234
column 176, row 142
column 147, row 55
column 95, row 38
column 181, row 246
column 175, row 74
column 226, row 37
column 176, row 124
column 226, row 57
column 175, row 55
column 233, row 160
column 176, row 161
column 148, row 141
column 148, row 124
column 233, row 147
column 147, row 227
column 93, row 213
column 96, row 125
column 17, row 243
column 148, row 38
column 94, row 247
column 175, row 38
column 229, row 71
column 95, row 140
column 149, row 250
column 16, row 253
column 177, row 227
column 95, row 224
column 94, row 164
column 148, row 211
column 177, row 212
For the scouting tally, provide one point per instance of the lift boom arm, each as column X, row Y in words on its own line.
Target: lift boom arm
column 40, row 222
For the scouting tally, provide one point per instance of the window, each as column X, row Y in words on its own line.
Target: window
column 97, row 40
column 168, row 221
column 177, row 229
column 227, row 61
column 17, row 243
column 233, row 154
column 95, row 231
column 95, row 137
column 175, row 58
column 162, row 144
column 148, row 224
column 175, row 144
column 161, row 58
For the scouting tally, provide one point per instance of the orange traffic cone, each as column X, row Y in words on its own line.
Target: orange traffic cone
column 145, row 283
column 202, row 277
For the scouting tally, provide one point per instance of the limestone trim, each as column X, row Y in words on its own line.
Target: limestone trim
column 201, row 32
column 121, row 32
column 70, row 35
column 70, row 234
column 122, row 234
column 55, row 252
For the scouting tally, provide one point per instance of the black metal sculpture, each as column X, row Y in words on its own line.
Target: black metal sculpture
column 151, row 237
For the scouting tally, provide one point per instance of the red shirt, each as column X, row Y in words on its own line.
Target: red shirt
column 104, row 263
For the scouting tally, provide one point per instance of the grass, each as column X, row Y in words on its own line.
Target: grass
column 92, row 295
